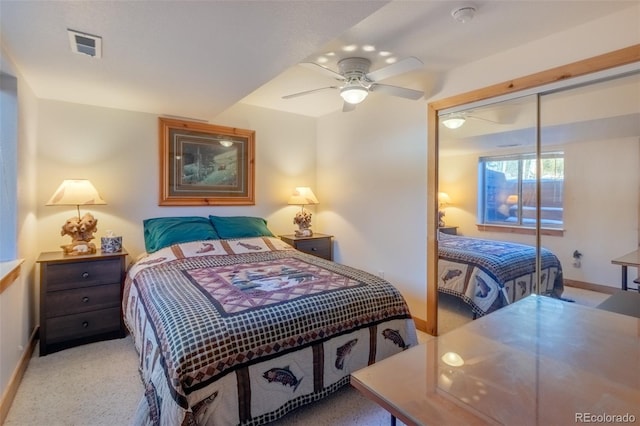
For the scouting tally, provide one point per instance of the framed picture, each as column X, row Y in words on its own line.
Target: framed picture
column 204, row 164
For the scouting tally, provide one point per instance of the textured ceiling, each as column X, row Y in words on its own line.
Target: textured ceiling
column 196, row 59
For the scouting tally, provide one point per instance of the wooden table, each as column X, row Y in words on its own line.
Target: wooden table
column 539, row 361
column 629, row 259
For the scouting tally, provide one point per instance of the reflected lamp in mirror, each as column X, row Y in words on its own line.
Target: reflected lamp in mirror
column 78, row 192
column 443, row 201
column 303, row 196
column 453, row 121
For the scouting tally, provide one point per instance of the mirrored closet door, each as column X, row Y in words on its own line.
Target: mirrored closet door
column 487, row 188
column 550, row 174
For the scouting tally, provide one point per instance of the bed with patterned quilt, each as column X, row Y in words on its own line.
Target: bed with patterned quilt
column 243, row 330
column 488, row 274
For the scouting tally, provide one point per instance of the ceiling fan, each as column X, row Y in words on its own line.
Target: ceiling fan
column 357, row 81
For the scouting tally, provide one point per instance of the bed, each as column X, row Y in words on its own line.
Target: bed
column 243, row 330
column 488, row 274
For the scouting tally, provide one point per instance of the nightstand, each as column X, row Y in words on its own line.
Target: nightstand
column 80, row 299
column 318, row 244
column 451, row 230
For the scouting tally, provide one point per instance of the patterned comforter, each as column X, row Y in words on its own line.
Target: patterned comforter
column 243, row 331
column 489, row 274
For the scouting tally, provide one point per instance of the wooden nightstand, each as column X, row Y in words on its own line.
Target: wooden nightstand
column 451, row 230
column 318, row 244
column 80, row 299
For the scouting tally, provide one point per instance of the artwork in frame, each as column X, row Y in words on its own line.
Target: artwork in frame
column 205, row 164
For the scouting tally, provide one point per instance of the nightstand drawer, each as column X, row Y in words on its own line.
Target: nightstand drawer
column 82, row 325
column 316, row 247
column 64, row 276
column 85, row 299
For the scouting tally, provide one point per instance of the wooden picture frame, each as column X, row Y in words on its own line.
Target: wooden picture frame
column 205, row 165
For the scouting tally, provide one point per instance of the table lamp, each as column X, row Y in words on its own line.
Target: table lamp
column 303, row 196
column 77, row 192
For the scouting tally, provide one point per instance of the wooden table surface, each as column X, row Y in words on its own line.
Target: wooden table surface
column 539, row 361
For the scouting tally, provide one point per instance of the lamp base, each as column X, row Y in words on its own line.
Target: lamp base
column 441, row 223
column 81, row 230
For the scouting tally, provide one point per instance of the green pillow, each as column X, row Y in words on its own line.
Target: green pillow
column 230, row 227
column 162, row 232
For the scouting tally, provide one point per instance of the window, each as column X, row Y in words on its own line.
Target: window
column 508, row 190
column 8, row 166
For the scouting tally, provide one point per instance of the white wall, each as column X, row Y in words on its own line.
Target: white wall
column 118, row 151
column 372, row 172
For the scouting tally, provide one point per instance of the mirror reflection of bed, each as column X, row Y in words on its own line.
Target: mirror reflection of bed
column 589, row 198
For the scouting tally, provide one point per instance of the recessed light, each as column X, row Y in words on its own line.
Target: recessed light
column 384, row 53
column 350, row 48
column 391, row 60
column 368, row 48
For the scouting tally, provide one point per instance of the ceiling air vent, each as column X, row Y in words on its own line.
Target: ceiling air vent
column 85, row 44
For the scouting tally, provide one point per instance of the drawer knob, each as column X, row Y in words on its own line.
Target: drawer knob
column 85, row 275
column 85, row 324
column 85, row 299
column 314, row 249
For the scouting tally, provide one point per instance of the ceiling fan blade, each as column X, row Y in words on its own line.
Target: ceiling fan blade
column 324, row 70
column 307, row 92
column 347, row 107
column 400, row 67
column 402, row 92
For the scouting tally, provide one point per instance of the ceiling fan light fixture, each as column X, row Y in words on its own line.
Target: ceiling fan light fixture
column 353, row 94
column 453, row 121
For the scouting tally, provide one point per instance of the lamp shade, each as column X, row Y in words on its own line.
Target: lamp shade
column 303, row 196
column 75, row 192
column 443, row 198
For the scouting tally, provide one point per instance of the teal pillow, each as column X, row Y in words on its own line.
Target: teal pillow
column 229, row 227
column 162, row 232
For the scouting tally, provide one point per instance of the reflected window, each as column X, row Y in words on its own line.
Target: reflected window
column 508, row 190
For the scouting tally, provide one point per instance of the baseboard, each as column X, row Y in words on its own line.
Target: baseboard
column 589, row 286
column 420, row 324
column 12, row 388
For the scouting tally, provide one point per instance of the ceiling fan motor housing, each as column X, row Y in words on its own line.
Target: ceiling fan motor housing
column 354, row 67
